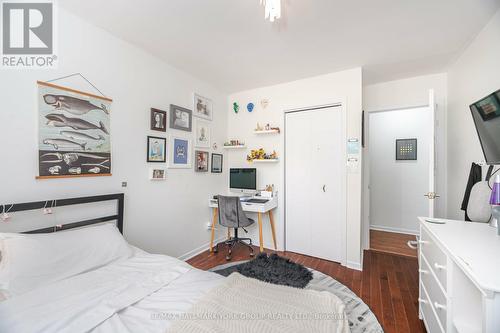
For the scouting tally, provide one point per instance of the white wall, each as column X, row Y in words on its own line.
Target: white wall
column 475, row 74
column 397, row 187
column 166, row 217
column 342, row 87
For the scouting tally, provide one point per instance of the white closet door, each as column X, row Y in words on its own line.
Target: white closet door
column 314, row 183
column 298, row 182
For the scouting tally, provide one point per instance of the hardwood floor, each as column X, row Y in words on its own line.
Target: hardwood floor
column 391, row 242
column 388, row 283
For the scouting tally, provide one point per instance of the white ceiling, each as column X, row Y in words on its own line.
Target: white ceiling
column 229, row 44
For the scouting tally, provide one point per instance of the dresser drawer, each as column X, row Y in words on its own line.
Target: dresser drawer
column 431, row 322
column 435, row 293
column 435, row 257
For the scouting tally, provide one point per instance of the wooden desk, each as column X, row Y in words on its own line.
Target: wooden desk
column 259, row 208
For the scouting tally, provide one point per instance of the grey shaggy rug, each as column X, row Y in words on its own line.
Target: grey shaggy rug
column 361, row 318
column 273, row 269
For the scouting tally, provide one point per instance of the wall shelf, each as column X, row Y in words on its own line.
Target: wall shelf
column 275, row 131
column 235, row 147
column 273, row 160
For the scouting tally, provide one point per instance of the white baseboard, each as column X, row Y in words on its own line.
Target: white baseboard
column 354, row 265
column 198, row 250
column 396, row 230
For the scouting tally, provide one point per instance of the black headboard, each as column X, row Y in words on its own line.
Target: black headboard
column 68, row 202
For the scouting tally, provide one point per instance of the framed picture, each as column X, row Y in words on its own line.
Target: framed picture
column 180, row 152
column 74, row 137
column 156, row 149
column 202, row 132
column 217, row 163
column 203, row 107
column 406, row 149
column 181, row 118
column 201, row 161
column 158, row 120
column 157, row 174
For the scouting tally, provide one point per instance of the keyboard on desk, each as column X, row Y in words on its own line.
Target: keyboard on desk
column 257, row 201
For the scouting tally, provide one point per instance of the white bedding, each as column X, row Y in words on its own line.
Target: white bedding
column 134, row 295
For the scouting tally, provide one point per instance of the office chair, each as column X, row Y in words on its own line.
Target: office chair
column 231, row 215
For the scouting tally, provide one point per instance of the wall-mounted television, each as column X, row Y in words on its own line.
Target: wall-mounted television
column 486, row 115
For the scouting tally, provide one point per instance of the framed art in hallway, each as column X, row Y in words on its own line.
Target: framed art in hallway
column 217, row 163
column 201, row 161
column 158, row 120
column 202, row 132
column 406, row 149
column 202, row 107
column 181, row 118
column 180, row 152
column 156, row 149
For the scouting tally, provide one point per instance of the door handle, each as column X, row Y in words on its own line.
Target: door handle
column 432, row 195
column 324, row 188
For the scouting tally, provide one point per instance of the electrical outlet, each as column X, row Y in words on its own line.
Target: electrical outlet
column 124, row 184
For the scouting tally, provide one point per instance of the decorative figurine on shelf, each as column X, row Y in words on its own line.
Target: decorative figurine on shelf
column 268, row 127
column 233, row 143
column 275, row 129
column 260, row 154
column 259, row 128
column 250, row 107
column 236, row 107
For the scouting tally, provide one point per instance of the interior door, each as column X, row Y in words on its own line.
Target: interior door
column 314, row 163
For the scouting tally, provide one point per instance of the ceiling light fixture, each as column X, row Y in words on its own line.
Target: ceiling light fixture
column 272, row 9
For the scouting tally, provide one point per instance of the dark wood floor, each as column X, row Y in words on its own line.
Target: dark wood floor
column 388, row 283
column 392, row 242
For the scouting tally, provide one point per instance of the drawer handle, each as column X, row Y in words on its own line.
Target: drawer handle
column 439, row 306
column 412, row 244
column 423, row 301
column 438, row 266
column 423, row 271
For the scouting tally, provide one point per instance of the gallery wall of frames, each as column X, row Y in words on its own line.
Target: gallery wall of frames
column 182, row 139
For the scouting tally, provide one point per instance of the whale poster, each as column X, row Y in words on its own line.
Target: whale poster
column 74, row 137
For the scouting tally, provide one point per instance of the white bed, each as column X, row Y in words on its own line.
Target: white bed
column 136, row 293
column 91, row 280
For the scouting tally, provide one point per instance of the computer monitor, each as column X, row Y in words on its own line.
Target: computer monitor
column 243, row 180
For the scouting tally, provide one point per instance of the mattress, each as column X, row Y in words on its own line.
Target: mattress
column 142, row 294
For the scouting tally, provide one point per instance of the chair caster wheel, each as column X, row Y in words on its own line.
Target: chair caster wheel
column 228, row 258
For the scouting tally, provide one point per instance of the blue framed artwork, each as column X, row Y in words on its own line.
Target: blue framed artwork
column 180, row 152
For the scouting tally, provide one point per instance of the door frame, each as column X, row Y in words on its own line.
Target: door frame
column 342, row 107
column 366, row 193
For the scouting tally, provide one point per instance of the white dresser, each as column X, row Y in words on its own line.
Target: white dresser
column 459, row 266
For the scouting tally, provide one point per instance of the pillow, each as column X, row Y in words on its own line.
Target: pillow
column 478, row 208
column 33, row 260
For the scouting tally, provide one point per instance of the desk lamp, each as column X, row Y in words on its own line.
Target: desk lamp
column 495, row 204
